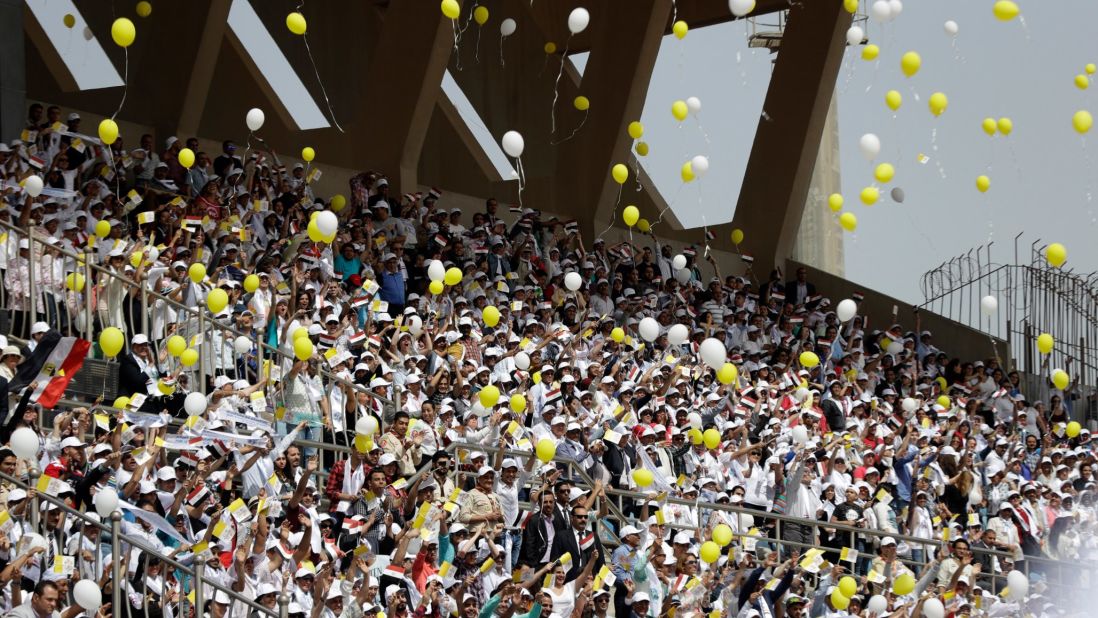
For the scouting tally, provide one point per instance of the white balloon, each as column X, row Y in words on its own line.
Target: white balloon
column 989, row 305
column 195, row 404
column 975, row 497
column 910, row 404
column 855, row 35
column 682, row 276
column 25, row 443
column 513, row 144
column 678, row 262
column 366, row 426
column 254, row 119
column 740, row 8
column 713, row 353
column 507, row 27
column 933, row 608
column 700, row 165
column 801, row 394
column 877, row 604
column 800, row 435
column 694, row 420
column 573, row 281
column 33, row 185
column 649, row 329
column 881, row 11
column 846, row 310
column 677, row 334
column 897, row 7
column 327, row 222
column 895, row 348
column 694, row 104
column 436, row 270
column 106, row 502
column 578, row 20
column 153, row 253
column 870, row 145
column 87, row 594
column 522, row 361
column 951, row 28
column 897, row 195
column 415, row 325
column 242, row 345
column 478, row 408
column 1018, row 584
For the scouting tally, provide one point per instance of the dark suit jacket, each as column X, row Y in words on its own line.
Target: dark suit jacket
column 130, row 377
column 535, row 540
column 565, row 542
column 791, row 291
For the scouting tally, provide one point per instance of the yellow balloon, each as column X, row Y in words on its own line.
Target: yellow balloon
column 122, row 402
column 536, row 377
column 722, row 535
column 217, row 300
column 1082, row 121
column 643, row 477
column 581, row 103
column 1073, row 429
column 680, row 29
column 135, row 258
column 910, row 63
column 518, row 402
column 893, row 99
column 687, row 172
column 848, row 221
column 904, row 584
column 835, row 202
column 620, row 173
column 251, row 283
column 710, row 552
column 870, row 52
column 1060, row 379
column 490, row 315
column 102, row 228
column 630, row 215
column 643, row 226
column 176, row 345
column 809, row 359
column 679, row 110
column 197, row 272
column 695, row 436
column 851, row 6
column 313, row 231
column 75, row 282
column 453, row 276
column 1045, row 343
column 308, row 154
column 186, row 158
column 144, row 9
column 303, row 348
column 983, row 183
column 727, row 373
column 1006, row 125
column 480, row 15
column 838, row 600
column 111, row 341
column 123, row 32
column 1056, row 254
column 69, row 20
column 489, row 395
column 296, row 23
column 436, row 287
column 635, row 129
column 1091, row 68
column 849, row 586
column 1082, row 82
column 338, row 202
column 300, row 332
column 989, row 126
column 870, row 195
column 618, row 335
column 884, row 172
column 451, row 9
column 108, row 131
column 363, row 443
column 944, row 401
column 1005, row 10
column 642, row 149
column 711, row 438
column 165, row 388
column 546, row 450
column 737, row 236
column 938, row 103
column 550, row 48
column 189, row 357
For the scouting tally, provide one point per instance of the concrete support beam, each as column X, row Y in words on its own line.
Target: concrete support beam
column 198, row 86
column 784, row 152
column 405, row 79
column 13, row 80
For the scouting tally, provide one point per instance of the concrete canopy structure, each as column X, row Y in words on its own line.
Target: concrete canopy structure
column 193, row 71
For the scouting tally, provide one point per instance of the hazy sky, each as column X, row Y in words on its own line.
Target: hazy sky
column 1041, row 175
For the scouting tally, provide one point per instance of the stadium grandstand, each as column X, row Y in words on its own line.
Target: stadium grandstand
column 385, row 379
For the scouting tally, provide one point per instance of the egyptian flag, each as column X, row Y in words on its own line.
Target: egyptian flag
column 587, row 541
column 52, row 364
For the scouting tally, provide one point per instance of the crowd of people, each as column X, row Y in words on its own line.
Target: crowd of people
column 568, row 368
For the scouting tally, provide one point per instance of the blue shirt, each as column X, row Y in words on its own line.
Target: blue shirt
column 392, row 287
column 347, row 267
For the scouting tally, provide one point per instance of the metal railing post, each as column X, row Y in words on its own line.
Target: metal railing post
column 283, row 606
column 89, row 316
column 199, row 593
column 201, row 360
column 32, row 305
column 116, row 562
column 144, row 307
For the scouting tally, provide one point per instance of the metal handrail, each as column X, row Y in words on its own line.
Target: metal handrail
column 193, row 312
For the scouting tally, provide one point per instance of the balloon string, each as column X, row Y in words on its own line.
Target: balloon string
column 934, row 148
column 705, row 134
column 574, row 131
column 476, row 51
column 666, row 208
column 457, row 50
column 501, row 62
column 556, row 87
column 521, row 178
column 125, row 81
column 613, row 215
column 323, row 90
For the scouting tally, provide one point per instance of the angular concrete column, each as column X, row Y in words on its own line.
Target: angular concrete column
column 784, row 152
column 13, row 80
